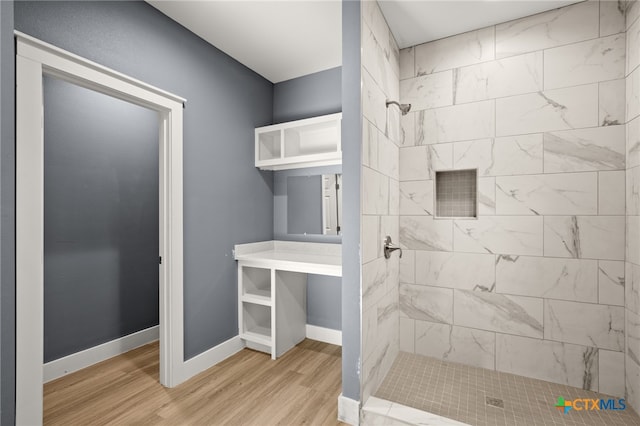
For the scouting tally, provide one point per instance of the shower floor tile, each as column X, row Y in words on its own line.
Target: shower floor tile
column 482, row 397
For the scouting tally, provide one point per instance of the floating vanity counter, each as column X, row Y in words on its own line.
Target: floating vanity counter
column 272, row 290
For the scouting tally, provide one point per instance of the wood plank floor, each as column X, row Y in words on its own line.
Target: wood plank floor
column 301, row 387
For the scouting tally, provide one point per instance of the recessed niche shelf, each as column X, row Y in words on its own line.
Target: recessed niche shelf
column 456, row 193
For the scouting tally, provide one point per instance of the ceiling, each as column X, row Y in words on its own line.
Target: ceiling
column 416, row 22
column 285, row 39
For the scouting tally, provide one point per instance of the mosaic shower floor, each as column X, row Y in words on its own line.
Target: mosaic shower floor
column 481, row 397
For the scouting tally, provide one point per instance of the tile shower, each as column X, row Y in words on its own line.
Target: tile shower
column 545, row 282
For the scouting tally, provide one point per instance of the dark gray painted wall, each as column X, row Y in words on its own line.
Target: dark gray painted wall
column 7, row 221
column 351, row 164
column 100, row 218
column 226, row 199
column 309, row 96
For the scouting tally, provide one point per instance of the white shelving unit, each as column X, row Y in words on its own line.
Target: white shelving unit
column 303, row 143
column 272, row 290
column 260, row 310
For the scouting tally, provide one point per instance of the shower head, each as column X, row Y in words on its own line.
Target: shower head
column 404, row 108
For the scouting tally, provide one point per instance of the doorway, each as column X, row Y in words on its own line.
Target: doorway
column 36, row 60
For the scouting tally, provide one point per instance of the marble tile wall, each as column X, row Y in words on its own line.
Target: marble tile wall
column 632, row 264
column 535, row 285
column 381, row 193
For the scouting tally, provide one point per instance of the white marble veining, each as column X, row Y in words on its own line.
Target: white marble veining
column 374, row 282
column 612, row 102
column 456, row 344
column 420, row 162
column 369, row 144
column 555, row 362
column 549, row 29
column 497, row 312
column 373, row 102
column 468, row 271
column 407, row 335
column 408, row 129
column 632, row 287
column 632, row 12
column 584, row 324
column 486, row 196
column 632, row 382
column 511, row 155
column 633, row 41
column 611, row 282
column 633, row 95
column 408, row 267
column 375, row 59
column 375, row 192
column 612, row 17
column 416, row 197
column 554, row 194
column 426, row 303
column 428, row 91
column 456, row 51
column 585, row 237
column 371, row 240
column 496, row 79
column 633, row 336
column 611, row 373
column 475, row 120
column 633, row 191
column 633, row 239
column 568, row 279
column 633, row 143
column 499, row 235
column 598, row 148
column 426, row 233
column 394, row 197
column 559, row 109
column 611, row 197
column 591, row 61
column 388, row 157
column 407, row 61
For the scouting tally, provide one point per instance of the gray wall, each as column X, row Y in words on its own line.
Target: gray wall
column 7, row 221
column 100, row 218
column 351, row 163
column 226, row 199
column 304, row 204
column 309, row 96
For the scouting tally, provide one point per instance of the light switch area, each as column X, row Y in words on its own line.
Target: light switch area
column 456, row 193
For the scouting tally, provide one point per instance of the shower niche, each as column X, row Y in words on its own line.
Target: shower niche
column 303, row 143
column 456, row 194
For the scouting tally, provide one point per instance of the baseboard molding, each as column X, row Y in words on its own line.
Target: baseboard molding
column 348, row 410
column 211, row 357
column 326, row 335
column 83, row 359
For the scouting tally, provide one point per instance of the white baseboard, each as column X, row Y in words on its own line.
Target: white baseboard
column 74, row 362
column 348, row 410
column 326, row 335
column 211, row 357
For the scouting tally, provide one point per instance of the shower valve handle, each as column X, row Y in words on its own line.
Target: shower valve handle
column 390, row 248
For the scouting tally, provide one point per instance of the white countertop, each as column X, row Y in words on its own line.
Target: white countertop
column 312, row 258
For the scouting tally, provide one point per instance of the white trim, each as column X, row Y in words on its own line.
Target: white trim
column 34, row 59
column 348, row 410
column 88, row 357
column 211, row 357
column 323, row 334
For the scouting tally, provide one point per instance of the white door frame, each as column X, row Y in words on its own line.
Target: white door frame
column 34, row 59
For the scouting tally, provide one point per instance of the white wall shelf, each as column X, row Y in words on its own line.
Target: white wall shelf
column 303, row 143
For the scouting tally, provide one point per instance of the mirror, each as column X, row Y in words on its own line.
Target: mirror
column 314, row 204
